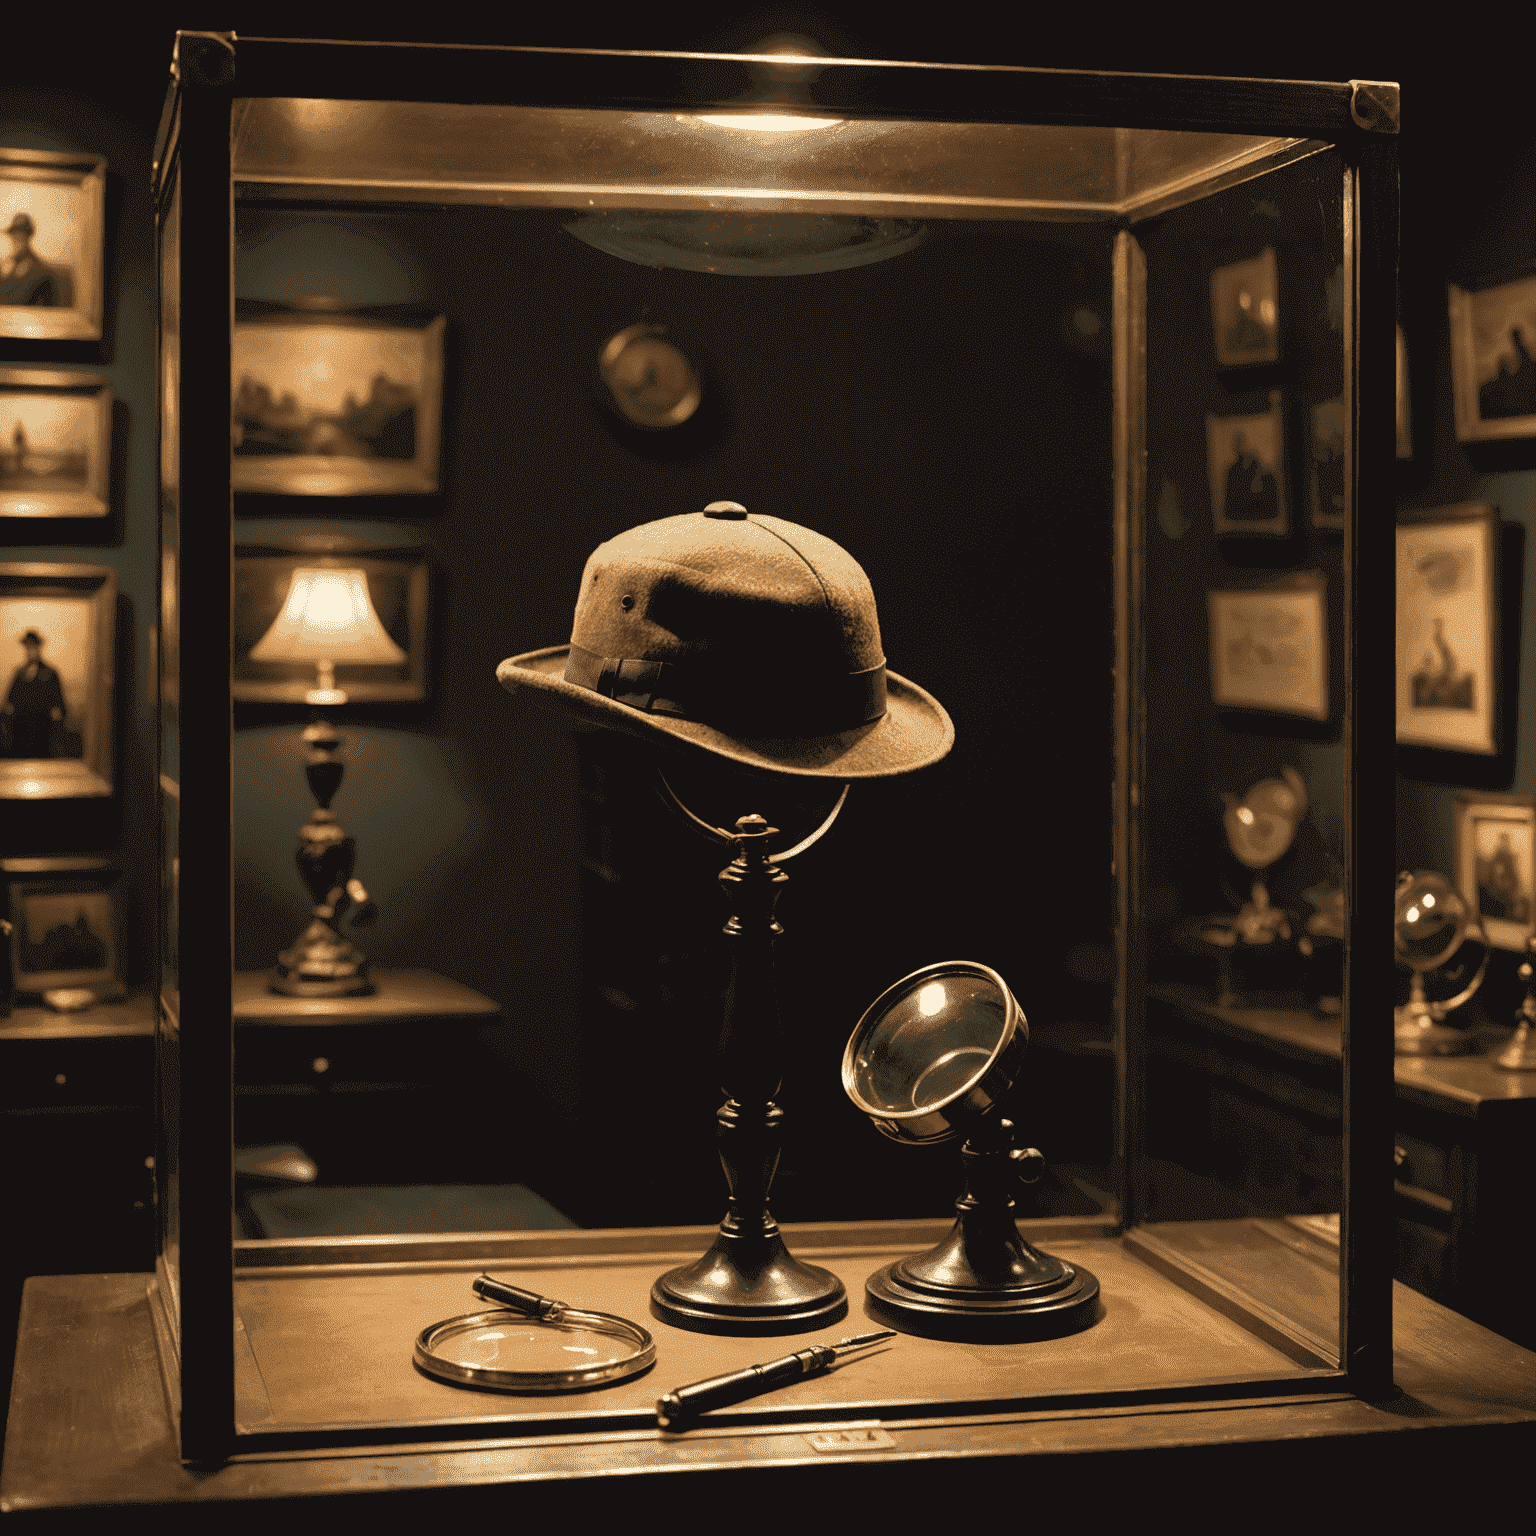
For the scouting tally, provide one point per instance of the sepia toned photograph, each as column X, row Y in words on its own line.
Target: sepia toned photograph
column 66, row 929
column 1269, row 647
column 397, row 588
column 336, row 405
column 1496, row 864
column 1245, row 455
column 55, row 443
column 1493, row 360
column 56, row 629
column 1245, row 311
column 1447, row 630
column 1325, row 465
column 52, row 220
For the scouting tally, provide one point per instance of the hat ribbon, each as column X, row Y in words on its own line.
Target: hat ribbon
column 770, row 701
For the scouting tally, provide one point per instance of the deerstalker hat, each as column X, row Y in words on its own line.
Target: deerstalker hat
column 747, row 636
column 21, row 224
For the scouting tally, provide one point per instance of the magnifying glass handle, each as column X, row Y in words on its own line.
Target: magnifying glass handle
column 529, row 1303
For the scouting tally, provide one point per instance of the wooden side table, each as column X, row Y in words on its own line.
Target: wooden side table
column 1252, row 1096
column 387, row 1089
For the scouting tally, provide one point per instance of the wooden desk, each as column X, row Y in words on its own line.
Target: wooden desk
column 1252, row 1096
column 914, row 1428
column 378, row 1090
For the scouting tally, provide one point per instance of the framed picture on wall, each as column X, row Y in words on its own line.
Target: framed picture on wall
column 1493, row 359
column 398, row 587
column 1269, row 646
column 1246, row 461
column 1496, row 863
column 1447, row 629
column 1325, row 463
column 336, row 403
column 66, row 917
column 1245, row 311
column 55, row 443
column 52, row 220
column 56, row 669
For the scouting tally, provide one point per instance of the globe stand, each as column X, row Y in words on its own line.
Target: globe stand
column 1431, row 922
column 748, row 1282
column 985, row 1282
column 1417, row 1030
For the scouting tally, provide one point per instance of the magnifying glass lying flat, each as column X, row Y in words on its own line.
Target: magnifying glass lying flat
column 532, row 1343
column 932, row 1060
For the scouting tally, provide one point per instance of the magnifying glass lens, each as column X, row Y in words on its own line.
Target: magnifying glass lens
column 932, row 1042
column 517, row 1346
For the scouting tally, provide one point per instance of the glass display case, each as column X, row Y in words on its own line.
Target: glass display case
column 1020, row 341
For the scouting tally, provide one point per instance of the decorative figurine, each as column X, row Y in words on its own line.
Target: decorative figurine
column 1432, row 922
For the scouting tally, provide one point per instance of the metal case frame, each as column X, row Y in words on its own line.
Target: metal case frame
column 195, row 198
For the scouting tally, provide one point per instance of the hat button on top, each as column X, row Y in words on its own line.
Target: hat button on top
column 732, row 511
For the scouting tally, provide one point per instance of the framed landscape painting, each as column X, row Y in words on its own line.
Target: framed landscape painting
column 1269, row 647
column 52, row 236
column 55, row 443
column 1447, row 629
column 336, row 403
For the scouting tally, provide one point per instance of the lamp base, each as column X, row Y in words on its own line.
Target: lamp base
column 1416, row 1034
column 983, row 1284
column 749, row 1286
column 320, row 964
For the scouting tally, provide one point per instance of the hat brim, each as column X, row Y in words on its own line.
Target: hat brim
column 914, row 732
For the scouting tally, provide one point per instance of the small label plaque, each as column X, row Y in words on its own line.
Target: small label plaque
column 850, row 1440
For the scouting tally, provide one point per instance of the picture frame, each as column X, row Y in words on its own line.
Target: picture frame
column 55, row 443
column 1493, row 359
column 1269, row 646
column 1325, row 463
column 336, row 402
column 1448, row 629
column 399, row 586
column 67, row 925
column 56, row 727
column 1245, row 458
column 53, row 215
column 1245, row 311
column 1496, row 864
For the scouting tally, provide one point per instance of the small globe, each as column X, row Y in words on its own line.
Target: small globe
column 1431, row 920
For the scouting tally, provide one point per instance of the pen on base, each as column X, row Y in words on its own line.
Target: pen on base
column 683, row 1403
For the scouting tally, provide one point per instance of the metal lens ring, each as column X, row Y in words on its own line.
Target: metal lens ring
column 561, row 1357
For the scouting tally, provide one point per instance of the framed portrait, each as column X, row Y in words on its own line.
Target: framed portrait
column 52, row 217
column 1246, row 461
column 1404, row 403
column 1245, row 311
column 66, row 919
column 1496, row 863
column 1325, row 463
column 336, row 403
column 1269, row 646
column 1447, row 623
column 56, row 670
column 1493, row 369
column 55, row 443
column 398, row 586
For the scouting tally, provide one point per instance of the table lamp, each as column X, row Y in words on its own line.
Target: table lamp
column 326, row 618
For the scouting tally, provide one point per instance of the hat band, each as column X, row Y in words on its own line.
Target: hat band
column 755, row 704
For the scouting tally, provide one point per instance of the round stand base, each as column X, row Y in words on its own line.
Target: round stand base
column 1413, row 1038
column 291, row 984
column 758, row 1289
column 983, row 1314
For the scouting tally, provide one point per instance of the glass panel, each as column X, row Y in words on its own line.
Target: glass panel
column 1243, row 816
column 585, row 158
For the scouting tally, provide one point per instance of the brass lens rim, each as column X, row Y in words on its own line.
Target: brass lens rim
column 958, row 1114
column 575, row 1379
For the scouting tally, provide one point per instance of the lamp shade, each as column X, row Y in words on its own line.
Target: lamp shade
column 327, row 616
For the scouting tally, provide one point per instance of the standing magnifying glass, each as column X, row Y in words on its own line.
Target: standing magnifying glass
column 931, row 1061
